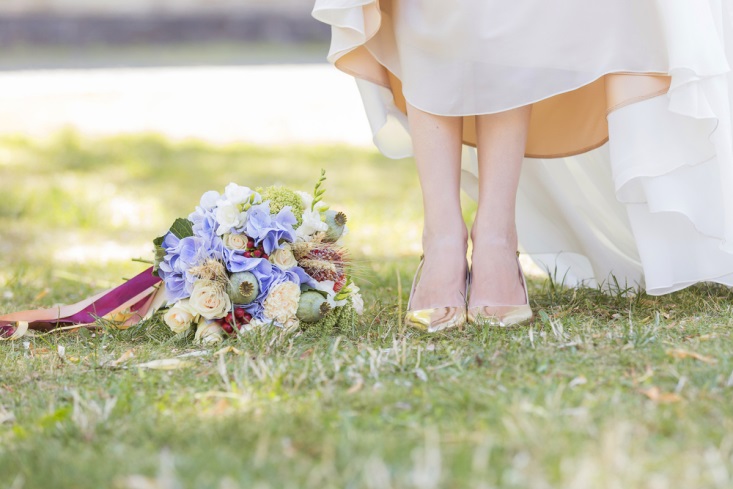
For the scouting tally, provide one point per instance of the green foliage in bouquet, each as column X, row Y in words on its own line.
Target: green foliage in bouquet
column 280, row 197
column 318, row 192
column 338, row 319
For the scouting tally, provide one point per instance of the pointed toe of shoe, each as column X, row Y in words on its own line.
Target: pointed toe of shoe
column 500, row 316
column 438, row 319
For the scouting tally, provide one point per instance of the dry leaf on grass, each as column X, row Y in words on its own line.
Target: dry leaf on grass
column 702, row 337
column 41, row 295
column 137, row 482
column 38, row 352
column 682, row 354
column 220, row 408
column 355, row 388
column 648, row 374
column 656, row 395
column 228, row 349
column 306, row 353
column 122, row 359
column 196, row 353
column 164, row 364
column 6, row 416
column 580, row 380
column 421, row 374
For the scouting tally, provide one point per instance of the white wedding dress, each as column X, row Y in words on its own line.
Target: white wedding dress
column 629, row 167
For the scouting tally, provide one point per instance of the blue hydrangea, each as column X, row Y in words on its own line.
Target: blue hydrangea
column 181, row 256
column 204, row 222
column 267, row 229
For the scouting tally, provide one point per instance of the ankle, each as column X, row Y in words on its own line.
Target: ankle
column 445, row 238
column 494, row 237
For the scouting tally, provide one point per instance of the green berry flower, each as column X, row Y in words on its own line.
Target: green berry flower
column 280, row 197
column 339, row 319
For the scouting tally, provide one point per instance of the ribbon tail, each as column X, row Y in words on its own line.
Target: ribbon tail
column 127, row 304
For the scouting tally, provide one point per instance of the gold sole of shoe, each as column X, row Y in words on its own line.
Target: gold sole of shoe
column 512, row 316
column 438, row 319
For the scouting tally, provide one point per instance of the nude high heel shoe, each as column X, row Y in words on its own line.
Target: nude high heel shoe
column 435, row 319
column 503, row 315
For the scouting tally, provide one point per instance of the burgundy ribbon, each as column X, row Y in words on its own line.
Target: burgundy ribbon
column 88, row 310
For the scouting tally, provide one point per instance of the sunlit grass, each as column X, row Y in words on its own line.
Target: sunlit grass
column 611, row 391
column 70, row 202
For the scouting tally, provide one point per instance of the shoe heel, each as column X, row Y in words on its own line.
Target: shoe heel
column 435, row 319
column 503, row 315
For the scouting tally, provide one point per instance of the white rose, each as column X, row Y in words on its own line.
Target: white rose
column 306, row 198
column 179, row 317
column 236, row 194
column 208, row 332
column 312, row 223
column 209, row 200
column 228, row 216
column 209, row 299
column 235, row 241
column 283, row 258
column 281, row 303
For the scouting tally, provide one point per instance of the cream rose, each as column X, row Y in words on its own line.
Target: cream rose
column 209, row 299
column 235, row 241
column 281, row 303
column 283, row 258
column 179, row 317
column 208, row 332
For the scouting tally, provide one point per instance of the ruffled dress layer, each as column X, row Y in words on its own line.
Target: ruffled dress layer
column 628, row 176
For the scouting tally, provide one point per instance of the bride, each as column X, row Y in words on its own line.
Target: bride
column 604, row 145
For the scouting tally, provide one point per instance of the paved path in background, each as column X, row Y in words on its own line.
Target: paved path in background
column 303, row 104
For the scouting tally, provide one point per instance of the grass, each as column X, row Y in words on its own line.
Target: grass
column 609, row 391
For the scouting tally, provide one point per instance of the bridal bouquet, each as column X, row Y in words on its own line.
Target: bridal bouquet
column 249, row 258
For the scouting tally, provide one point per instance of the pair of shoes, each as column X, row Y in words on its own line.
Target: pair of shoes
column 503, row 315
column 435, row 319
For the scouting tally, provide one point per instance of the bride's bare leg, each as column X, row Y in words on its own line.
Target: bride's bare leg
column 501, row 143
column 437, row 148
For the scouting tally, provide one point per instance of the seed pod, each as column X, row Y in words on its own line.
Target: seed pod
column 312, row 307
column 243, row 288
column 336, row 222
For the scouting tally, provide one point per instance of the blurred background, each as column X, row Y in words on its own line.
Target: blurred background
column 117, row 115
column 220, row 70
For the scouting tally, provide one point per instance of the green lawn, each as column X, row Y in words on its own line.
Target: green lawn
column 598, row 392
